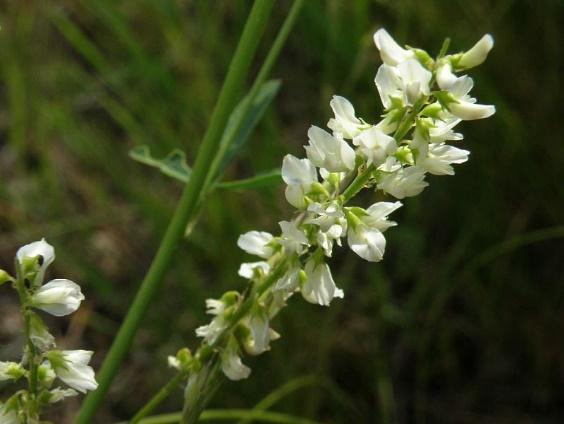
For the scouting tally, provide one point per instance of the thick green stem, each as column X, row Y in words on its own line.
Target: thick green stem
column 228, row 97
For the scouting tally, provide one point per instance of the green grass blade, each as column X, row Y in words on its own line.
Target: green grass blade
column 244, row 119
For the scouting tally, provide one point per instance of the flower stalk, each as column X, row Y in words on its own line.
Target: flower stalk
column 41, row 364
column 421, row 118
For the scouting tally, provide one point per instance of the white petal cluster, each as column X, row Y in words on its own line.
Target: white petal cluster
column 393, row 156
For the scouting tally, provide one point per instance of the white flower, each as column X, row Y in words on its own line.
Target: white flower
column 46, row 374
column 477, row 54
column 72, row 367
column 211, row 331
column 406, row 82
column 39, row 333
column 390, row 51
column 57, row 394
column 11, row 371
column 289, row 282
column 256, row 243
column 330, row 152
column 332, row 224
column 319, row 286
column 365, row 238
column 442, row 130
column 231, row 363
column 58, row 297
column 402, row 182
column 38, row 249
column 217, row 307
column 214, row 306
column 299, row 174
column 345, row 122
column 8, row 413
column 440, row 156
column 375, row 145
column 173, row 362
column 258, row 340
column 471, row 111
column 248, row 269
column 459, row 103
column 293, row 238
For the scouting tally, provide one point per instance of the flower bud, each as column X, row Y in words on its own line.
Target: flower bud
column 4, row 277
column 477, row 54
column 11, row 371
column 34, row 258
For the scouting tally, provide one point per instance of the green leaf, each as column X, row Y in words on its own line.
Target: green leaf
column 239, row 127
column 174, row 164
column 263, row 179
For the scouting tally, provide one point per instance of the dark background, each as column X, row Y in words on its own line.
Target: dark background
column 463, row 320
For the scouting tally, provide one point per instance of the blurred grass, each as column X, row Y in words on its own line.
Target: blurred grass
column 463, row 320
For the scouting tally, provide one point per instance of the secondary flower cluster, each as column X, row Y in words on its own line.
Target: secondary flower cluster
column 393, row 156
column 42, row 363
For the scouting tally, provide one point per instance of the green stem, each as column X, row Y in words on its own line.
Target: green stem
column 228, row 97
column 31, row 406
column 162, row 394
column 260, row 79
